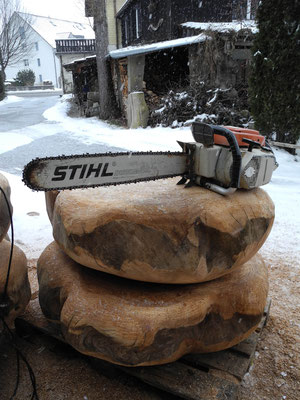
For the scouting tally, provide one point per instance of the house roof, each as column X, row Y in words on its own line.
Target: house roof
column 150, row 48
column 222, row 27
column 124, row 7
column 51, row 29
column 70, row 66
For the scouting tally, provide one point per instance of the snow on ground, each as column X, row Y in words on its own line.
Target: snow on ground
column 93, row 130
column 284, row 189
column 14, row 139
column 10, row 99
column 32, row 227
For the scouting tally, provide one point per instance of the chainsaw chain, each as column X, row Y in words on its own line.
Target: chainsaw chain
column 32, row 163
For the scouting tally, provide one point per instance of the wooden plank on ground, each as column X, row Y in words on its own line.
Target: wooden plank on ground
column 286, row 145
column 235, row 363
column 186, row 382
column 248, row 345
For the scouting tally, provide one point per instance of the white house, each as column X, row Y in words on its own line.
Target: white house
column 41, row 58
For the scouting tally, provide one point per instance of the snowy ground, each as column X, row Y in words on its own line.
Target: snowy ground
column 32, row 227
column 10, row 99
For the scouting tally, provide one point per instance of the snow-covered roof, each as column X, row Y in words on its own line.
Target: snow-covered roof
column 79, row 60
column 150, row 48
column 51, row 29
column 223, row 27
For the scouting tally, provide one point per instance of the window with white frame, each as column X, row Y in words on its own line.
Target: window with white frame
column 137, row 22
column 41, row 78
column 37, row 46
column 26, row 62
column 126, row 30
column 39, row 62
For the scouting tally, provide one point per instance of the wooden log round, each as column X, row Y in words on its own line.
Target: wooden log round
column 50, row 198
column 161, row 232
column 4, row 212
column 18, row 288
column 135, row 323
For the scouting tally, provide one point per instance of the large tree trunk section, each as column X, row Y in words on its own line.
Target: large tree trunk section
column 161, row 232
column 133, row 323
column 18, row 288
column 4, row 211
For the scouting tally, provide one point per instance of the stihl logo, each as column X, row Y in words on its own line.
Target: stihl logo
column 80, row 171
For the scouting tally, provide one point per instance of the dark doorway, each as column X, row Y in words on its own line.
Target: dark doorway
column 167, row 69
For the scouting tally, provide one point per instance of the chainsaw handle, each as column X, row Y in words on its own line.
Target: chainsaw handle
column 236, row 153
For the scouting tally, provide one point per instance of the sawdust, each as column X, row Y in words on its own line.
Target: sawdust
column 275, row 373
column 63, row 373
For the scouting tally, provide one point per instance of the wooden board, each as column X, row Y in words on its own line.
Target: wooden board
column 193, row 377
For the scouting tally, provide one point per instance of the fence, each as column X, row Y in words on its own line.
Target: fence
column 75, row 46
column 11, row 88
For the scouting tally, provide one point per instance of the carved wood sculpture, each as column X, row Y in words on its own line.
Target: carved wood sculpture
column 18, row 289
column 50, row 198
column 4, row 213
column 161, row 232
column 133, row 323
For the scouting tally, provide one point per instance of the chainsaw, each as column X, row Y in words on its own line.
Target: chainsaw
column 222, row 159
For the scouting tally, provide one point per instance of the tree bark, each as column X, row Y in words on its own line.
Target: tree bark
column 107, row 101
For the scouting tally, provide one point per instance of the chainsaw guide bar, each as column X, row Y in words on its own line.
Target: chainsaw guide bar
column 102, row 169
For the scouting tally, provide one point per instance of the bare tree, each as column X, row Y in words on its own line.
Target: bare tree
column 80, row 5
column 15, row 39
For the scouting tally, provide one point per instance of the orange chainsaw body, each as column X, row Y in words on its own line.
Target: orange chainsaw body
column 240, row 133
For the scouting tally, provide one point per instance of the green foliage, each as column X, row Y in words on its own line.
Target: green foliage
column 274, row 82
column 26, row 77
column 2, row 89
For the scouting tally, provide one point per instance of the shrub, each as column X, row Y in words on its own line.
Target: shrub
column 26, row 77
column 274, row 83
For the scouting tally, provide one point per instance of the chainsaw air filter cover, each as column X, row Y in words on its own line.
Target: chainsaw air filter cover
column 240, row 134
column 206, row 134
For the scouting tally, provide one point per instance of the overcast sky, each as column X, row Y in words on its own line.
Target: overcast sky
column 71, row 10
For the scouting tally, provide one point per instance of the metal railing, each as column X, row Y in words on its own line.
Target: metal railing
column 75, row 46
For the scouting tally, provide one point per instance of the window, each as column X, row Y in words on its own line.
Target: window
column 41, row 78
column 26, row 62
column 248, row 12
column 37, row 46
column 39, row 62
column 137, row 23
column 126, row 30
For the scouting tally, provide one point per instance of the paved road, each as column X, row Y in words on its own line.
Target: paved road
column 26, row 114
column 28, row 111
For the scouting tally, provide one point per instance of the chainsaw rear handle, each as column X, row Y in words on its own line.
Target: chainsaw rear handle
column 210, row 130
